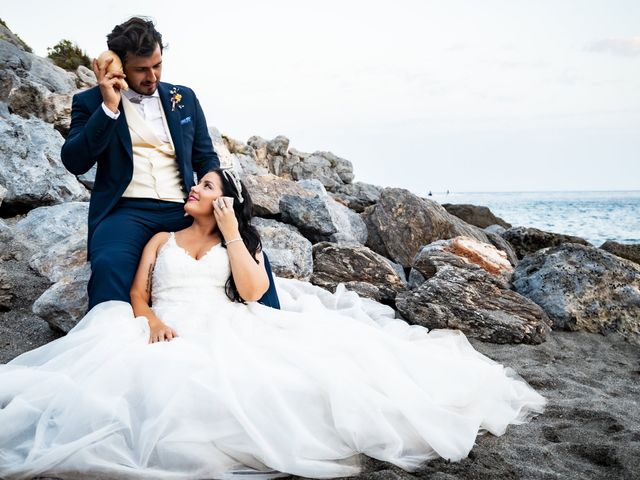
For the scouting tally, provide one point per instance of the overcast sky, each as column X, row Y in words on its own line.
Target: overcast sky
column 428, row 95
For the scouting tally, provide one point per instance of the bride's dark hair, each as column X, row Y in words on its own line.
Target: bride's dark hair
column 244, row 214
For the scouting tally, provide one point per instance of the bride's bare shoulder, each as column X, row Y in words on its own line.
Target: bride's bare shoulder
column 158, row 240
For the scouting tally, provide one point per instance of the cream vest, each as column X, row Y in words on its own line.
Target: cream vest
column 155, row 170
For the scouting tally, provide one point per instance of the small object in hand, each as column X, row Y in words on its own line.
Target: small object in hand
column 114, row 66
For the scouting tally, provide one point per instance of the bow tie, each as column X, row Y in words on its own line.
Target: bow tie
column 137, row 99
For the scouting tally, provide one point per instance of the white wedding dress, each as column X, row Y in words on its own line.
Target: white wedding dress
column 246, row 388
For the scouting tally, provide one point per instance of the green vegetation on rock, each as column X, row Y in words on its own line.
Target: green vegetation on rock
column 68, row 55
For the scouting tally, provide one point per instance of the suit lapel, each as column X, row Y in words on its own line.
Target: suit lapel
column 123, row 131
column 173, row 120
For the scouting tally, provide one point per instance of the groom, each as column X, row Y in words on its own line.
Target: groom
column 147, row 143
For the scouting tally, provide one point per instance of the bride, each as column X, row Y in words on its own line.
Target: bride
column 196, row 380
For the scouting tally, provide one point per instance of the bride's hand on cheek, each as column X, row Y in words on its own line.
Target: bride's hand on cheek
column 226, row 220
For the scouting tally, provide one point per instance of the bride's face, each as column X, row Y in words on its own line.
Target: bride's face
column 202, row 195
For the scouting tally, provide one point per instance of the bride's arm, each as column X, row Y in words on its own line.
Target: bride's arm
column 141, row 290
column 250, row 277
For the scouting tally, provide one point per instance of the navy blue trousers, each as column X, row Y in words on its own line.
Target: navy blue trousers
column 118, row 241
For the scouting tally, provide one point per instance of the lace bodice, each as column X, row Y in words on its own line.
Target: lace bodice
column 179, row 278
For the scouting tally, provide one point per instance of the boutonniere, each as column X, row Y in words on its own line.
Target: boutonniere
column 175, row 98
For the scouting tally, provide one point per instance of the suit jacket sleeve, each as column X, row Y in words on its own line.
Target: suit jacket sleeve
column 203, row 156
column 90, row 133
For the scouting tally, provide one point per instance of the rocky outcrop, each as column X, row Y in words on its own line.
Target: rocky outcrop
column 479, row 216
column 321, row 218
column 358, row 267
column 34, row 86
column 583, row 288
column 623, row 250
column 32, row 171
column 52, row 241
column 400, row 223
column 464, row 284
column 357, row 196
column 267, row 191
column 65, row 302
column 527, row 240
column 276, row 156
column 290, row 254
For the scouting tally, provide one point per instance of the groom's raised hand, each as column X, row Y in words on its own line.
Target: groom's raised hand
column 110, row 84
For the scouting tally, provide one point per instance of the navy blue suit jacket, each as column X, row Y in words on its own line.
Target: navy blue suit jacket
column 95, row 137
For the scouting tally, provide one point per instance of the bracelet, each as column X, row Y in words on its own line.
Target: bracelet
column 237, row 239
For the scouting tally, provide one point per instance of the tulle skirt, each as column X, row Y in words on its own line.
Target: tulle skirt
column 246, row 391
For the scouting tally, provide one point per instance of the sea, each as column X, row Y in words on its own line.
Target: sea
column 596, row 216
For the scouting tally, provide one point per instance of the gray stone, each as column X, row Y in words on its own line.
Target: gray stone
column 267, row 190
column 462, row 283
column 65, row 303
column 358, row 267
column 248, row 165
column 527, row 240
column 479, row 216
column 86, row 77
column 331, row 170
column 279, row 146
column 89, row 177
column 400, row 223
column 259, row 146
column 497, row 229
column 460, row 252
column 32, row 171
column 320, row 218
column 477, row 303
column 583, row 288
column 56, row 109
column 501, row 244
column 357, row 196
column 630, row 251
column 290, row 254
column 46, row 226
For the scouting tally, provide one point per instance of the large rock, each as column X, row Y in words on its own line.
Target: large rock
column 630, row 251
column 357, row 196
column 290, row 254
column 527, row 240
column 501, row 244
column 34, row 86
column 279, row 159
column 464, row 284
column 321, row 218
column 267, row 190
column 52, row 240
column 355, row 265
column 458, row 252
column 331, row 170
column 32, row 171
column 479, row 216
column 401, row 223
column 65, row 303
column 56, row 110
column 583, row 288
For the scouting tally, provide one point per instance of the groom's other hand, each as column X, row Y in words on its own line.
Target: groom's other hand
column 110, row 84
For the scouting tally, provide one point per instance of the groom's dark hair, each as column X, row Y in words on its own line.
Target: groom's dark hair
column 137, row 36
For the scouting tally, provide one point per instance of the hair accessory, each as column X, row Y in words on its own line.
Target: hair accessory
column 233, row 178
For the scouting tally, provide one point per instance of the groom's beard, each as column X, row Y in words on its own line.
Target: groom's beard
column 146, row 89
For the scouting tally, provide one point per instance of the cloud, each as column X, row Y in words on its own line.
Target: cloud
column 628, row 47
